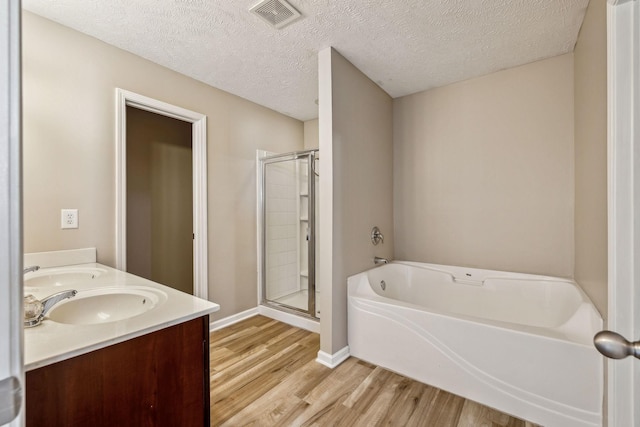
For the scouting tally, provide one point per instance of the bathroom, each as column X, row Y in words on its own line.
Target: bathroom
column 542, row 208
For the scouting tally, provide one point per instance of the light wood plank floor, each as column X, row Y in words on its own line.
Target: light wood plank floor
column 263, row 373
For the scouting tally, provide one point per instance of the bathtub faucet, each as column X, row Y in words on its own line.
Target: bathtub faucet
column 377, row 260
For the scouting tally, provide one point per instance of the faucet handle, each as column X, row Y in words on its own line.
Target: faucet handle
column 33, row 308
column 376, row 236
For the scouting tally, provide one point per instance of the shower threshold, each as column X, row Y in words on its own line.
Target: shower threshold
column 298, row 299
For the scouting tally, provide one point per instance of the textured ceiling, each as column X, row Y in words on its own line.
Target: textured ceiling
column 406, row 46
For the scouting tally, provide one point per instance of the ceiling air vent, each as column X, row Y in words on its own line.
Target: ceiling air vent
column 277, row 13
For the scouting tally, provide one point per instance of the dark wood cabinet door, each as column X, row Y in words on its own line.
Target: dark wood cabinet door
column 158, row 379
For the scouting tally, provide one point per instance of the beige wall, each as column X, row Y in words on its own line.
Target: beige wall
column 355, row 185
column 484, row 171
column 590, row 78
column 69, row 150
column 311, row 138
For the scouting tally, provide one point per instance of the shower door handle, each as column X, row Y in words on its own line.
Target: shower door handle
column 615, row 346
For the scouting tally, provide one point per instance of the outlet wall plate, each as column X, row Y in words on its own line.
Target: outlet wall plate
column 69, row 218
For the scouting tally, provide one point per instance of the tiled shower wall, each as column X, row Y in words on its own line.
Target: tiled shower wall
column 281, row 229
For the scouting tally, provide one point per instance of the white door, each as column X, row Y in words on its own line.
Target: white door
column 11, row 364
column 623, row 28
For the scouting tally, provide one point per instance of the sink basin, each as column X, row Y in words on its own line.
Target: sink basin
column 106, row 305
column 62, row 276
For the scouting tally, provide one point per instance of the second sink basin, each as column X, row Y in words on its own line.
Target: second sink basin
column 106, row 305
column 61, row 276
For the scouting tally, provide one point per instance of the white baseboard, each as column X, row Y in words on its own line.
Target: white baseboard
column 290, row 319
column 333, row 360
column 234, row 318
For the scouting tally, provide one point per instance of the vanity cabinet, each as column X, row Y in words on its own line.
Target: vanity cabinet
column 157, row 379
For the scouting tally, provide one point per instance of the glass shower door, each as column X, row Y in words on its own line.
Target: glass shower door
column 288, row 220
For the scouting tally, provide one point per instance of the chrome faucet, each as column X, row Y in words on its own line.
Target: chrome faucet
column 30, row 269
column 35, row 310
column 377, row 260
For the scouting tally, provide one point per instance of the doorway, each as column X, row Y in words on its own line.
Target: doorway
column 159, row 199
column 166, row 179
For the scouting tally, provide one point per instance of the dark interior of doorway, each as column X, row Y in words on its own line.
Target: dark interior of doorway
column 159, row 199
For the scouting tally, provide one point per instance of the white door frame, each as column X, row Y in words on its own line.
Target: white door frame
column 126, row 99
column 623, row 50
column 11, row 337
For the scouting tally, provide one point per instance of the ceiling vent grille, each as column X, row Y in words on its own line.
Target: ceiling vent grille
column 277, row 13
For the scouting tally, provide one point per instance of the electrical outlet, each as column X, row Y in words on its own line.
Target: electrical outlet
column 69, row 218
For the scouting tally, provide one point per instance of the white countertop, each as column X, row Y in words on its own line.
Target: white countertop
column 52, row 342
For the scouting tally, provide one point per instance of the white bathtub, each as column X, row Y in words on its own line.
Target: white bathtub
column 519, row 343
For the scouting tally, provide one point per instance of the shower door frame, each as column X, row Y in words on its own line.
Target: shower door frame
column 311, row 156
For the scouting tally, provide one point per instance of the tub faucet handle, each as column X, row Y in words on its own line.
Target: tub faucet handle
column 376, row 236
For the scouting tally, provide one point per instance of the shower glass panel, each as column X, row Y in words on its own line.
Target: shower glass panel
column 288, row 236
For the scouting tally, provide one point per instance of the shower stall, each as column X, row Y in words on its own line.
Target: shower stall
column 288, row 226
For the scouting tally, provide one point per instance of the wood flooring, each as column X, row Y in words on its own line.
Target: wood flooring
column 264, row 373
